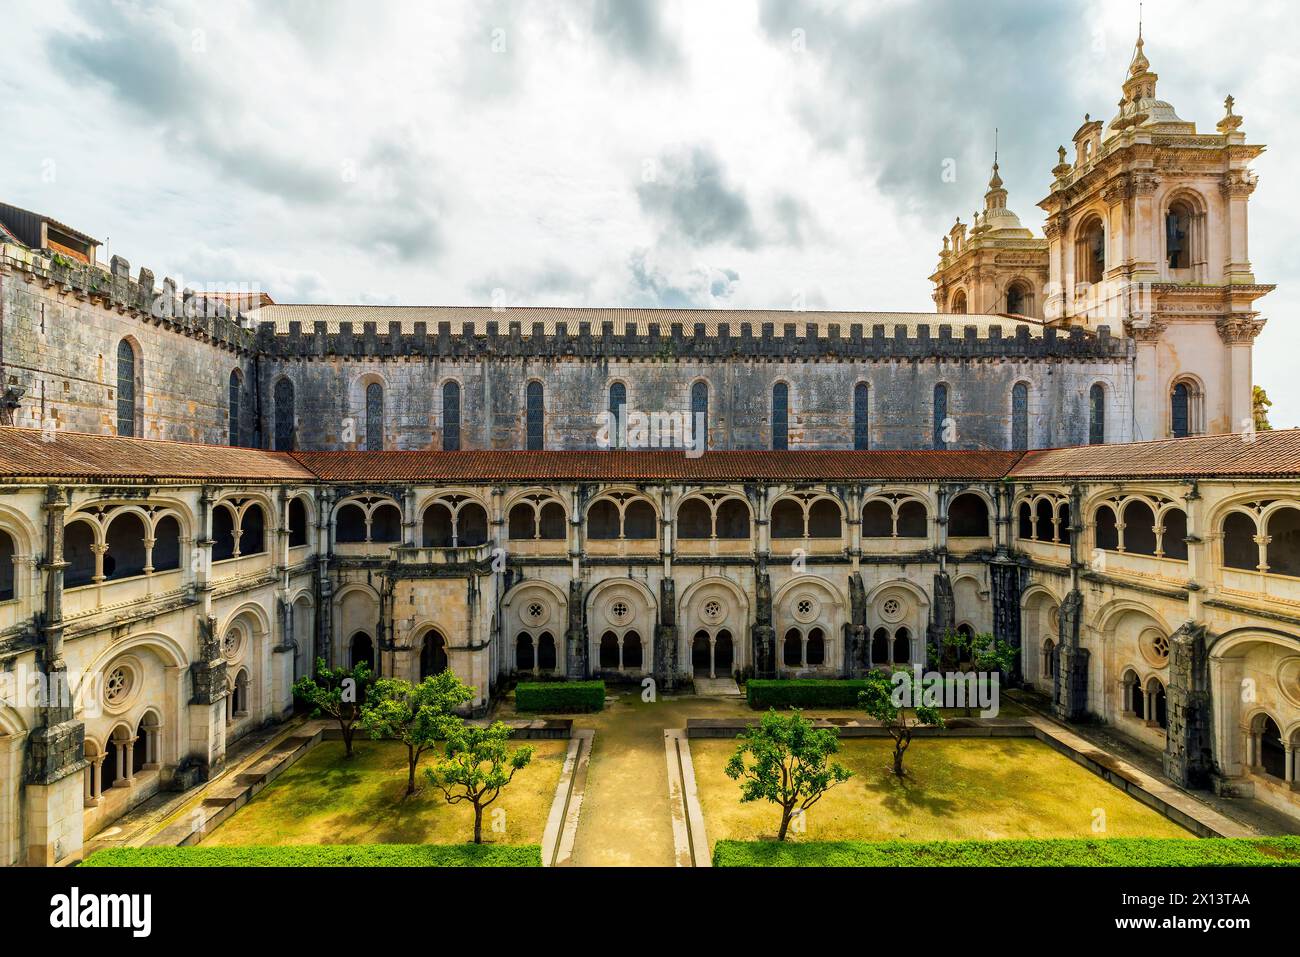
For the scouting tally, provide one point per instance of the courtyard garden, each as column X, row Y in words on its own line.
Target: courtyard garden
column 954, row 789
column 327, row 799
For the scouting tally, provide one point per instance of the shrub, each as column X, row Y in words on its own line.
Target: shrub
column 764, row 693
column 560, row 697
column 323, row 855
column 1058, row 852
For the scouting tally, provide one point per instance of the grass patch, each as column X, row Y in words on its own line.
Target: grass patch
column 327, row 855
column 327, row 799
column 956, row 789
column 560, row 696
column 1106, row 852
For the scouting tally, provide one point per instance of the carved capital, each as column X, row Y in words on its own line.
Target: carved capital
column 1238, row 182
column 1149, row 330
column 1239, row 329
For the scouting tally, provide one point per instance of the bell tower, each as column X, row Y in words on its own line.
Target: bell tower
column 1147, row 231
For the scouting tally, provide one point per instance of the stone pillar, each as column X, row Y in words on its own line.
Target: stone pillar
column 763, row 635
column 856, row 654
column 1070, row 683
column 1238, row 334
column 665, row 663
column 943, row 619
column 1007, row 580
column 575, row 638
column 1188, row 758
column 207, row 707
column 1149, row 400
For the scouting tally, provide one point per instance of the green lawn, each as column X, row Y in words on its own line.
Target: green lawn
column 327, row 855
column 956, row 789
column 327, row 799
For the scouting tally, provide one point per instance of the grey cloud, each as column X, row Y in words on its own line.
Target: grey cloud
column 931, row 80
column 536, row 286
column 653, row 285
column 694, row 204
column 634, row 29
column 796, row 221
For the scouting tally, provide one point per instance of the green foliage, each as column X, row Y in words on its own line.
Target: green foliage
column 983, row 650
column 762, row 693
column 416, row 715
column 1057, row 852
column 560, row 696
column 477, row 766
column 323, row 855
column 337, row 693
column 901, row 714
column 790, row 766
column 1260, row 404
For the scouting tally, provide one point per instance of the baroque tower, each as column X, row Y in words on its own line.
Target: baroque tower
column 1147, row 229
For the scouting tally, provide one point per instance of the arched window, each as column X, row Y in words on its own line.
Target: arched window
column 536, row 417
column 792, row 652
column 553, row 526
column 6, row 566
column 1043, row 521
column 617, row 416
column 126, row 388
column 471, row 526
column 125, row 555
column 284, row 416
column 1063, row 524
column 1096, row 414
column 239, row 696
column 1107, row 535
column 1139, row 529
column 235, row 387
column 166, row 553
column 1180, row 410
column 450, row 416
column 603, row 521
column 609, row 656
column 521, row 523
column 1272, row 753
column 732, row 520
column 787, row 519
column 374, row 417
column 252, row 531
column 386, row 523
column 223, row 532
column 363, row 650
column 902, row 646
column 1157, row 712
column 780, row 416
column 1135, row 698
column 1178, row 235
column 824, row 519
column 632, row 651
column 546, row 653
column 968, row 517
column 940, row 416
column 1283, row 550
column 1090, row 252
column 913, row 522
column 436, row 526
column 1020, row 416
column 524, row 657
column 880, row 647
column 350, row 524
column 433, row 655
column 959, row 302
column 815, row 652
column 297, row 523
column 1173, row 541
column 1017, row 300
column 1025, row 521
column 1239, row 547
column 639, row 521
column 861, row 430
column 877, row 519
column 700, row 414
column 694, row 520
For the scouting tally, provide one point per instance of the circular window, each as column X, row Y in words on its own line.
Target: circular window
column 231, row 643
column 891, row 609
column 712, row 611
column 120, row 686
column 1288, row 679
column 1155, row 646
column 535, row 612
column 619, row 612
column 806, row 608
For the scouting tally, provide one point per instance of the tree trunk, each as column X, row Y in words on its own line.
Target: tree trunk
column 410, row 776
column 478, row 824
column 785, row 823
column 898, row 761
column 348, row 730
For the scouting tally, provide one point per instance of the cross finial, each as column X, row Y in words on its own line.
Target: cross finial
column 1227, row 104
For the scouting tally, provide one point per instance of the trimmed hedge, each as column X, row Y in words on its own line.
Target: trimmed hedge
column 323, row 855
column 764, row 693
column 1060, row 852
column 560, row 696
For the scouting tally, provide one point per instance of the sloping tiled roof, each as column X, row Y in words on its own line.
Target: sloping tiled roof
column 548, row 316
column 1259, row 455
column 77, row 456
column 73, row 456
column 651, row 466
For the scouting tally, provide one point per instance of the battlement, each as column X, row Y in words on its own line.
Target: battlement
column 655, row 342
column 186, row 312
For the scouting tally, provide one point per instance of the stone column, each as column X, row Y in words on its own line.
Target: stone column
column 1238, row 333
column 1070, row 683
column 1149, row 401
column 1188, row 758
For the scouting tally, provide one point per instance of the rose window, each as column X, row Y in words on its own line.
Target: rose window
column 118, row 686
column 620, row 611
column 713, row 610
column 536, row 610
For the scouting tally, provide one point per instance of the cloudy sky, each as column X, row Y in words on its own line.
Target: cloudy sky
column 746, row 153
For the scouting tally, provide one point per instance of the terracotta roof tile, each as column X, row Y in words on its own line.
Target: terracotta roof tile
column 77, row 456
column 649, row 466
column 1264, row 455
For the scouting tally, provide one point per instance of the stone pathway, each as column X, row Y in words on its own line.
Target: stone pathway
column 717, row 688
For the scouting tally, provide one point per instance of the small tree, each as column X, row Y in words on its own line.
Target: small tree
column 417, row 715
column 984, row 651
column 895, row 701
column 478, row 765
column 790, row 766
column 337, row 693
